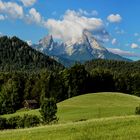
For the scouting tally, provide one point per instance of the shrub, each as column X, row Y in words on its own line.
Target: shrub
column 137, row 111
column 29, row 121
column 3, row 124
column 48, row 110
column 19, row 122
column 13, row 122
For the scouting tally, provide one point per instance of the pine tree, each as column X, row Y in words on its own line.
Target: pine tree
column 48, row 110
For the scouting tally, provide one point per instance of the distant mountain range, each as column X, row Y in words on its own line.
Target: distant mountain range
column 84, row 49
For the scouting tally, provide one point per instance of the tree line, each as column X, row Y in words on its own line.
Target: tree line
column 15, row 87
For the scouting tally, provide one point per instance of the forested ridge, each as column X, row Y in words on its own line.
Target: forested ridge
column 114, row 65
column 15, row 54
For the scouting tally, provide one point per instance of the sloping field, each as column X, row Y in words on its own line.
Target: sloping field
column 98, row 116
column 114, row 128
column 97, row 105
column 89, row 106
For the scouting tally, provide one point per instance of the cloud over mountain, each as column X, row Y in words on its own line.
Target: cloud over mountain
column 72, row 25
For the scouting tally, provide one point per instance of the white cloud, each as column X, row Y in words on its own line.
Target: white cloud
column 114, row 41
column 11, row 9
column 2, row 17
column 114, row 18
column 122, row 52
column 71, row 27
column 33, row 17
column 28, row 3
column 134, row 46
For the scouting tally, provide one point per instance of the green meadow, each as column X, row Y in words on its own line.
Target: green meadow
column 87, row 117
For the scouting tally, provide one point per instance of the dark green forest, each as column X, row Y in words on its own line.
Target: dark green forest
column 15, row 54
column 27, row 74
column 114, row 65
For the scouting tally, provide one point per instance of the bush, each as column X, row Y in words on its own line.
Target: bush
column 3, row 124
column 13, row 122
column 137, row 111
column 48, row 110
column 29, row 121
column 22, row 122
column 19, row 122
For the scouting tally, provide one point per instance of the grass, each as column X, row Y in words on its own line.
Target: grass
column 91, row 106
column 100, row 116
column 97, row 106
column 114, row 128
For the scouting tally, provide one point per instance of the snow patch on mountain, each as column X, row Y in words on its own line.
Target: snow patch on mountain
column 85, row 48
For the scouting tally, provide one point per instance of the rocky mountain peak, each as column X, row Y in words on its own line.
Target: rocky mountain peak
column 87, row 47
column 46, row 41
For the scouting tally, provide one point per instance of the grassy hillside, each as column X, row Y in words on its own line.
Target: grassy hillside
column 115, row 128
column 100, row 116
column 96, row 106
column 90, row 106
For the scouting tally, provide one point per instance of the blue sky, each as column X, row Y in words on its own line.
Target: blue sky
column 34, row 19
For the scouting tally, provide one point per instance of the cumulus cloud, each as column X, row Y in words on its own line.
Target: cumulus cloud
column 114, row 18
column 11, row 9
column 72, row 25
column 34, row 17
column 123, row 53
column 28, row 3
column 134, row 46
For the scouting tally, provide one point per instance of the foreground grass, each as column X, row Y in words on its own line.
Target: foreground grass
column 91, row 106
column 85, row 118
column 114, row 128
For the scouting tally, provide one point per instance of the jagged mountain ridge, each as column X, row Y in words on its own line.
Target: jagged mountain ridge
column 84, row 49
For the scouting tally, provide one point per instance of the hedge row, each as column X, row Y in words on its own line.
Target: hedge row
column 19, row 122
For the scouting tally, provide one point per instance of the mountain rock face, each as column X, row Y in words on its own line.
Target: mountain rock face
column 84, row 49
